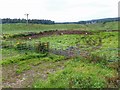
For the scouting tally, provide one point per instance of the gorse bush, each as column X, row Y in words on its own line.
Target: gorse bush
column 5, row 36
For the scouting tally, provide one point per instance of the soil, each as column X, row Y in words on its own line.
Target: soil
column 49, row 33
column 27, row 78
column 60, row 32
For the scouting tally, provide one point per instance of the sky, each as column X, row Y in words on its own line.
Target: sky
column 59, row 10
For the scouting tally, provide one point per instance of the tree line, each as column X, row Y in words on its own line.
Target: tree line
column 32, row 21
column 43, row 21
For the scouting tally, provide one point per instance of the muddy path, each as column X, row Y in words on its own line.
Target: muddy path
column 53, row 32
column 27, row 78
column 33, row 35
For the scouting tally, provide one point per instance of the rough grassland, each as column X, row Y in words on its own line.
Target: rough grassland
column 20, row 28
column 98, row 68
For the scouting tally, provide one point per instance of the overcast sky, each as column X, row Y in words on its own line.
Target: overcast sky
column 59, row 10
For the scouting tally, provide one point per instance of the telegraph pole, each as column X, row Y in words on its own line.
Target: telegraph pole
column 27, row 18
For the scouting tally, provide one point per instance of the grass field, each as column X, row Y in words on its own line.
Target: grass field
column 20, row 28
column 96, row 66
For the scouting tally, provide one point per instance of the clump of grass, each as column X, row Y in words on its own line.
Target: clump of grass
column 22, row 68
column 77, row 74
column 22, row 58
column 94, row 58
column 40, row 56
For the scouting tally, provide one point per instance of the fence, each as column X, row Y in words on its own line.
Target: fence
column 39, row 47
column 12, row 47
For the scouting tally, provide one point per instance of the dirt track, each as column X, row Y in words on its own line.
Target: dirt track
column 59, row 32
column 52, row 32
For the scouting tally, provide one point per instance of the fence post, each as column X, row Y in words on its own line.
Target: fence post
column 39, row 46
column 47, row 48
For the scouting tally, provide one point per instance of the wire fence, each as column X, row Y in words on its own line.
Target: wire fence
column 16, row 47
column 37, row 46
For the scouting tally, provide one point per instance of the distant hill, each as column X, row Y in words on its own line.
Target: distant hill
column 98, row 21
column 93, row 21
column 43, row 21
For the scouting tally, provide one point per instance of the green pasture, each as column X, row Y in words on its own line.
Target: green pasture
column 21, row 28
